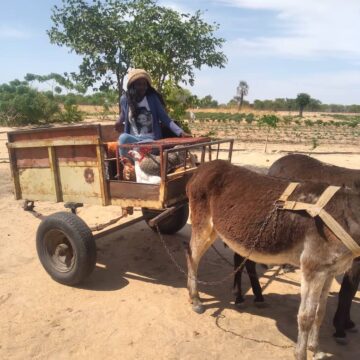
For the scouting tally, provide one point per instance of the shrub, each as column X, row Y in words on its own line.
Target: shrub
column 20, row 104
column 71, row 113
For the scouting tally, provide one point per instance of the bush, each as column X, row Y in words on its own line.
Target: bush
column 269, row 120
column 249, row 118
column 71, row 113
column 20, row 104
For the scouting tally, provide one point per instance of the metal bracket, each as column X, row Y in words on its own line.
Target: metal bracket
column 73, row 206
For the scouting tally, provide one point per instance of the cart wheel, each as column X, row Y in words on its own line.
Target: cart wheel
column 170, row 225
column 66, row 247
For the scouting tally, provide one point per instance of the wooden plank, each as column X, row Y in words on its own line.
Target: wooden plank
column 340, row 233
column 176, row 189
column 109, row 134
column 180, row 173
column 133, row 191
column 151, row 204
column 49, row 142
column 72, row 155
column 30, row 158
column 14, row 173
column 64, row 132
column 118, row 227
column 104, row 187
column 55, row 173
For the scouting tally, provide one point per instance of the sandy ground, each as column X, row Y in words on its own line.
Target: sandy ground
column 134, row 305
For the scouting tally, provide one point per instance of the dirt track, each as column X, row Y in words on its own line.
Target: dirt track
column 134, row 305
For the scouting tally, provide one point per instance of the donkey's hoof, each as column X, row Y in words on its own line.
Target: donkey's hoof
column 240, row 305
column 341, row 340
column 198, row 308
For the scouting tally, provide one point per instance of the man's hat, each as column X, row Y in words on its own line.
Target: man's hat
column 135, row 74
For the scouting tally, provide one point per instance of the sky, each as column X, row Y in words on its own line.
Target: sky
column 279, row 47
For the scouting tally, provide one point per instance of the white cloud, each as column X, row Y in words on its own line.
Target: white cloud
column 176, row 6
column 313, row 28
column 8, row 32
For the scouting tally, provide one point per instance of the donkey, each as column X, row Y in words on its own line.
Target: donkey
column 240, row 206
column 302, row 167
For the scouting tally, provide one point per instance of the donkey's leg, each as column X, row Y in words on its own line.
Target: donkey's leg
column 312, row 284
column 254, row 280
column 201, row 240
column 239, row 299
column 313, row 342
column 347, row 292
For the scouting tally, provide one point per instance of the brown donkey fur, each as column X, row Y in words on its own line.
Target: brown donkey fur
column 306, row 168
column 233, row 203
column 301, row 167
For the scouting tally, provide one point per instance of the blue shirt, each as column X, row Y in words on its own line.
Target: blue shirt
column 159, row 116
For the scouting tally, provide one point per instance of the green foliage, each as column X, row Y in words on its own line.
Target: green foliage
column 178, row 100
column 70, row 114
column 62, row 81
column 269, row 120
column 207, row 102
column 114, row 35
column 314, row 143
column 241, row 91
column 20, row 104
column 302, row 100
column 249, row 118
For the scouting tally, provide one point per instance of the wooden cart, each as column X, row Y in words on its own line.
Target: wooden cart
column 74, row 165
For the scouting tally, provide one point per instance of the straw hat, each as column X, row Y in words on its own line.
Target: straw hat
column 135, row 74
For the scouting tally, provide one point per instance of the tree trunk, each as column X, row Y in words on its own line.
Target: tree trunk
column 266, row 141
column 301, row 111
column 241, row 101
column 120, row 83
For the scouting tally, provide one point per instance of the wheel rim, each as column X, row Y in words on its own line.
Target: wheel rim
column 59, row 251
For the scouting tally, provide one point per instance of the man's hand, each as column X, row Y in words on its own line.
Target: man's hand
column 185, row 134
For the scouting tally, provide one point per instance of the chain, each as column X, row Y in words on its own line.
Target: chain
column 213, row 283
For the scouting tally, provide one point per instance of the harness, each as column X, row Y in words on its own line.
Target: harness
column 318, row 210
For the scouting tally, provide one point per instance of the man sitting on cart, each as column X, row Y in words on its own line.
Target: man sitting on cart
column 143, row 112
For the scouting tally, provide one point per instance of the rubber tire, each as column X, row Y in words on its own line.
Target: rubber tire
column 172, row 223
column 82, row 241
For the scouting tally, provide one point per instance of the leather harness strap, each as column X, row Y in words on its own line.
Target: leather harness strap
column 318, row 210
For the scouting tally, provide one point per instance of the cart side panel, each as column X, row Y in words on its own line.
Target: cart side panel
column 176, row 189
column 64, row 132
column 32, row 158
column 80, row 184
column 78, row 171
column 126, row 193
column 37, row 184
column 34, row 174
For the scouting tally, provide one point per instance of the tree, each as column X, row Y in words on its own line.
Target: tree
column 20, row 104
column 63, row 81
column 208, row 102
column 271, row 121
column 302, row 101
column 114, row 35
column 241, row 91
